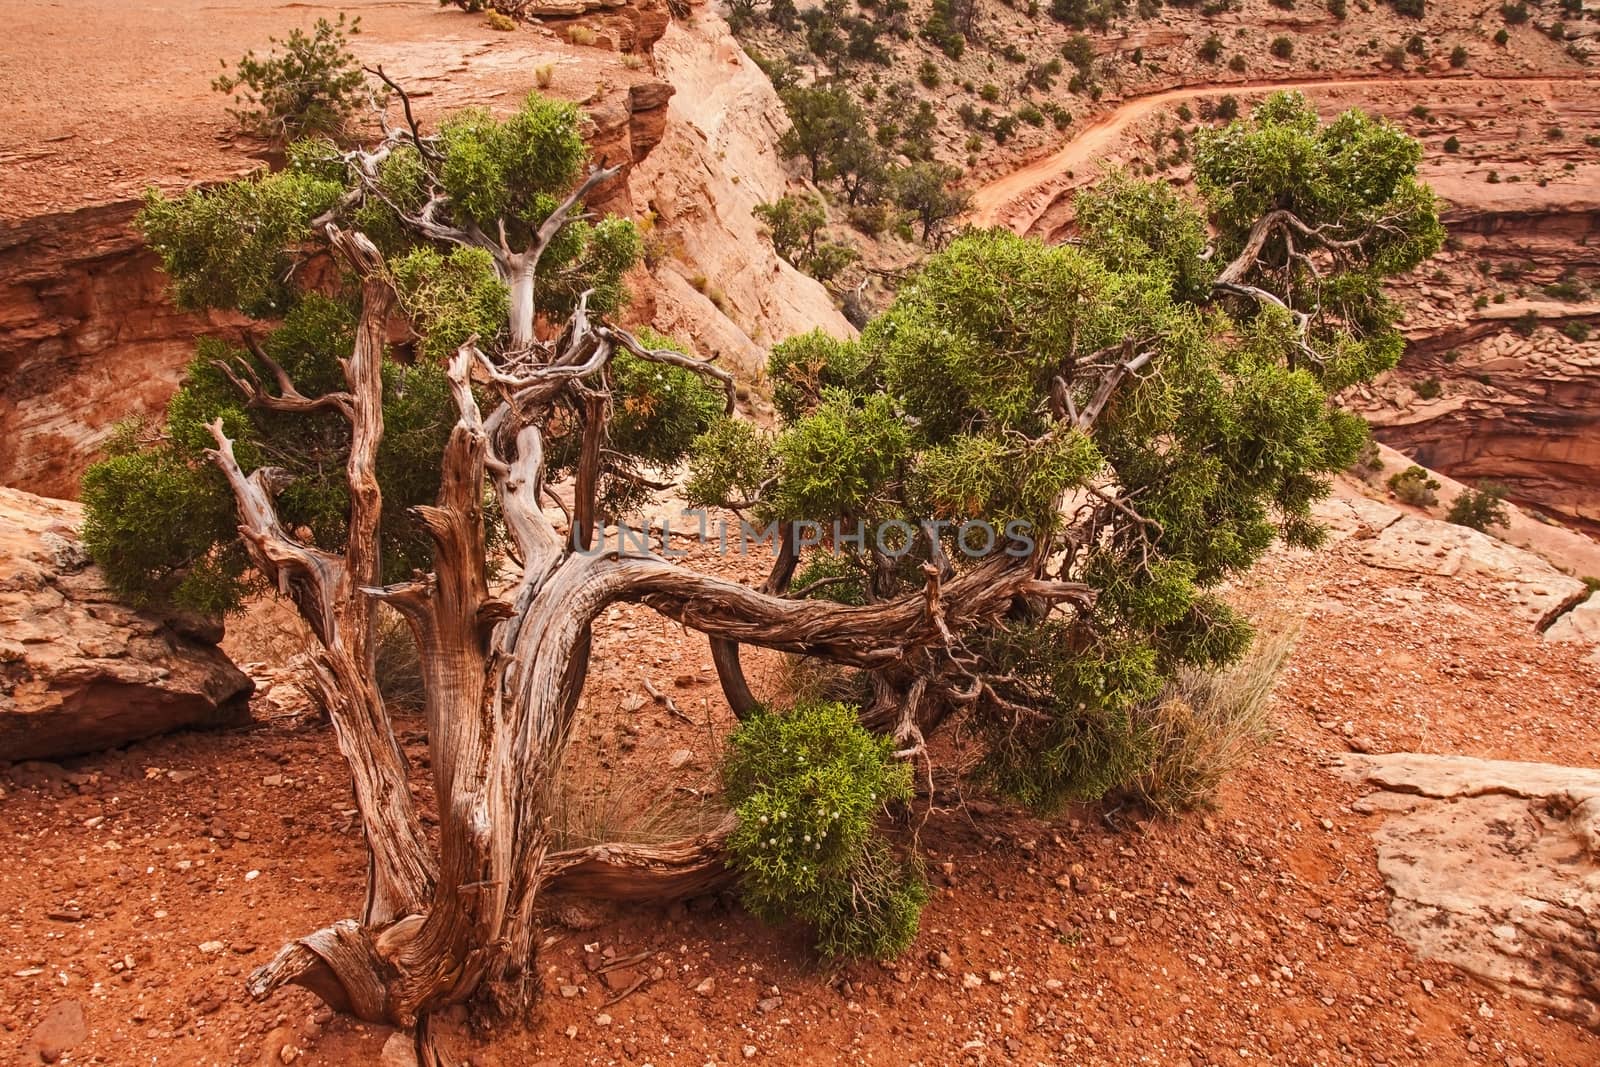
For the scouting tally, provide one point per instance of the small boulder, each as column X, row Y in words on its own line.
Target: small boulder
column 80, row 671
column 62, row 1028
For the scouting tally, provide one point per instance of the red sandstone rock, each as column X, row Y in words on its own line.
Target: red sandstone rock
column 80, row 671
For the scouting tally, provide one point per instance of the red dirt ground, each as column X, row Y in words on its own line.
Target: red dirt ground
column 101, row 98
column 1255, row 933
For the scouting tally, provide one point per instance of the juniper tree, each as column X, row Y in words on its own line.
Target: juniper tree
column 1135, row 418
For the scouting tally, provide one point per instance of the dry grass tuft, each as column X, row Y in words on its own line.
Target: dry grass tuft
column 398, row 665
column 1208, row 724
column 627, row 808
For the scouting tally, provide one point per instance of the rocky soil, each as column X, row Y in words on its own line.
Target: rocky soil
column 140, row 886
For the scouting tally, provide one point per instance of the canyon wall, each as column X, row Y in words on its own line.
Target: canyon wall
column 1485, row 392
column 718, row 281
column 88, row 336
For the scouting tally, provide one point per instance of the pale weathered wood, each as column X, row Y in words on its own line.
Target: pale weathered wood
column 501, row 677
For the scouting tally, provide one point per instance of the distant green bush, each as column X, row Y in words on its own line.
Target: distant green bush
column 1414, row 486
column 1480, row 508
column 309, row 90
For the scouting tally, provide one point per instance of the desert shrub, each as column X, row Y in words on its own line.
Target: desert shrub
column 543, row 75
column 1042, row 76
column 1566, row 289
column 1395, row 56
column 309, row 90
column 1501, row 36
column 928, row 74
column 1576, row 330
column 1420, row 111
column 1414, row 486
column 1282, row 47
column 1514, row 14
column 1079, row 51
column 1083, row 14
column 792, row 223
column 990, row 93
column 1369, row 462
column 1237, row 64
column 825, row 124
column 1480, row 507
column 1452, row 144
column 1429, row 389
column 1211, row 48
column 1337, row 9
column 1526, row 324
column 582, row 36
column 1228, row 108
column 500, row 21
column 1208, row 723
column 809, row 787
column 828, row 260
column 929, row 191
column 1411, row 9
column 1031, row 114
column 1458, row 56
column 941, row 32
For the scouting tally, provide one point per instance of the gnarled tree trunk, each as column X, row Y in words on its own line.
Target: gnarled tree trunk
column 502, row 674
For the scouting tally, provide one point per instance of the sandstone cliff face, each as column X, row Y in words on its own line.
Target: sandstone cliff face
column 87, row 337
column 719, row 283
column 80, row 671
column 1524, row 411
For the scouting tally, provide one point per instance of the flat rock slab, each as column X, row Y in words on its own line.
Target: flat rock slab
column 1538, row 591
column 1495, row 868
column 62, row 1028
column 1580, row 626
column 1354, row 517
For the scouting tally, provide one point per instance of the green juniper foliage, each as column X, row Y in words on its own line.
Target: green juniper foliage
column 309, row 90
column 970, row 397
column 810, row 786
column 251, row 246
column 1480, row 507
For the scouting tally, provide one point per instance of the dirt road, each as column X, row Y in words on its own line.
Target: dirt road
column 1020, row 197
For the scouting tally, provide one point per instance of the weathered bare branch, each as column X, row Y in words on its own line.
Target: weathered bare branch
column 288, row 398
column 623, row 339
column 423, row 146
